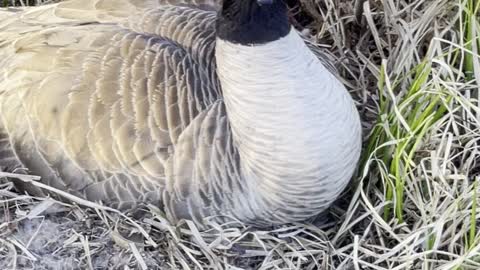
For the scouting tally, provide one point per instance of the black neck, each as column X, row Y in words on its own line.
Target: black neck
column 248, row 22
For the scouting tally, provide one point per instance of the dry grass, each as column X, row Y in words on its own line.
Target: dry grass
column 413, row 67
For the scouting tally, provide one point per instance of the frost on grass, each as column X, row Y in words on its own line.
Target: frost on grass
column 413, row 67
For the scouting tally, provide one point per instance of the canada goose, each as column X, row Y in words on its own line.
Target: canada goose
column 127, row 101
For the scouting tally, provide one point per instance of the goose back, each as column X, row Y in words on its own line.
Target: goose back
column 96, row 102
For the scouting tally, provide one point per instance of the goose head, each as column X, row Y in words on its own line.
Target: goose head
column 250, row 22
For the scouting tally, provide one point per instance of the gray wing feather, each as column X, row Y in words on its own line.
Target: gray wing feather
column 204, row 169
column 103, row 104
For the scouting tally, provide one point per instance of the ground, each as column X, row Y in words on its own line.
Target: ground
column 414, row 69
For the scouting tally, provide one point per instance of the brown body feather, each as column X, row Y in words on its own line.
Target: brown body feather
column 106, row 105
